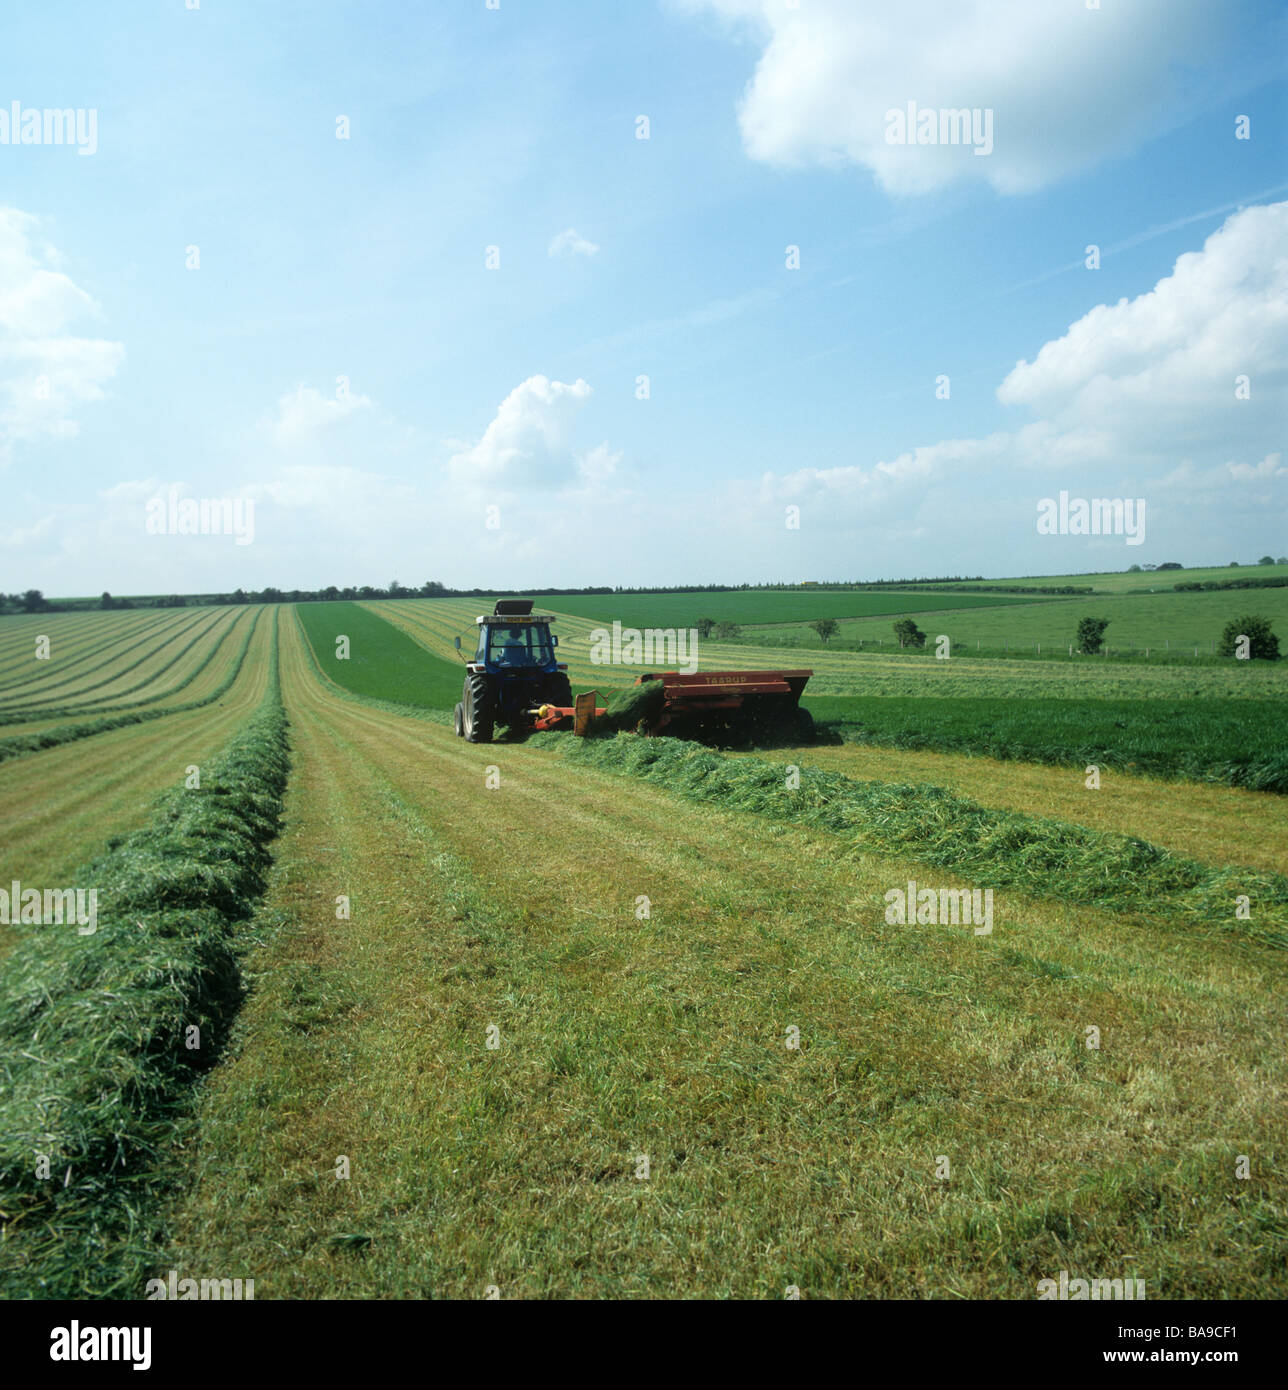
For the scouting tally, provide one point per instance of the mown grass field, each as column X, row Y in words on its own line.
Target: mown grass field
column 515, row 1166
column 58, row 805
column 445, row 981
column 1213, row 824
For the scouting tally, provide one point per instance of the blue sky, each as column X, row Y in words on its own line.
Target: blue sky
column 488, row 430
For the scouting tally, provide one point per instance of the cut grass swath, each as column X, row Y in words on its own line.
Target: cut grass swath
column 628, row 707
column 94, row 1028
column 1000, row 849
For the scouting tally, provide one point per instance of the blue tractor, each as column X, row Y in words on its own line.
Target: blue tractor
column 513, row 673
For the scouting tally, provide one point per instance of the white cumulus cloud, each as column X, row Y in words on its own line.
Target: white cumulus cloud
column 1163, row 371
column 47, row 367
column 572, row 243
column 1067, row 85
column 528, row 442
column 305, row 413
column 1133, row 399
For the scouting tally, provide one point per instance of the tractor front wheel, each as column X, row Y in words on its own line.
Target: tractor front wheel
column 458, row 720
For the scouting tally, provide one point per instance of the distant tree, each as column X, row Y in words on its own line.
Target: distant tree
column 33, row 601
column 239, row 596
column 396, row 590
column 909, row 634
column 1266, row 560
column 1282, row 560
column 826, row 628
column 1133, row 569
column 1091, row 635
column 1170, row 565
column 106, row 601
column 1262, row 642
column 723, row 630
column 330, row 593
column 431, row 588
column 1234, row 564
column 705, row 626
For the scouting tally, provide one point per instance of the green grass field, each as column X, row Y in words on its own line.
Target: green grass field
column 756, row 605
column 429, row 958
column 1236, row 742
column 1146, row 581
column 383, row 662
column 434, row 622
column 1163, row 623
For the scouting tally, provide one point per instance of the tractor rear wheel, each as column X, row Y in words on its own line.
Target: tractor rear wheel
column 480, row 711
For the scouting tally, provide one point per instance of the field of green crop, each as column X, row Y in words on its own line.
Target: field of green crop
column 380, row 661
column 755, row 606
column 543, row 997
column 1238, row 742
column 1162, row 623
column 1144, row 581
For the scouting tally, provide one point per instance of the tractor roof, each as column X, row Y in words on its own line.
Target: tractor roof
column 513, row 611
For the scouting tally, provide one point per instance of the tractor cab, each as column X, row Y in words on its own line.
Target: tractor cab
column 512, row 638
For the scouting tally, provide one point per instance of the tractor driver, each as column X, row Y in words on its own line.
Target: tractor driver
column 513, row 653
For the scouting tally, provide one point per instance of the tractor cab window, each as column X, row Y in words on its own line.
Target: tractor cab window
column 518, row 646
